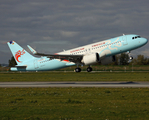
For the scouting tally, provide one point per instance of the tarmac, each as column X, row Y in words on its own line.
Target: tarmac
column 75, row 84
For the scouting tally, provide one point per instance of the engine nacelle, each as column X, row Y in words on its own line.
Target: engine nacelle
column 108, row 60
column 90, row 59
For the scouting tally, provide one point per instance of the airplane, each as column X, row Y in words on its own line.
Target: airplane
column 100, row 52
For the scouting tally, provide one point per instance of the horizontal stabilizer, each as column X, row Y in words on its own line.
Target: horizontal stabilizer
column 20, row 66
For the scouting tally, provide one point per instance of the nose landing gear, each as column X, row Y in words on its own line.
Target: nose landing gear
column 129, row 54
column 130, row 58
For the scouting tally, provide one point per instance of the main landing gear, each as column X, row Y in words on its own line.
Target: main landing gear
column 78, row 69
column 89, row 69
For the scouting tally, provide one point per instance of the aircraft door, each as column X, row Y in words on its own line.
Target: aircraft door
column 36, row 64
column 125, row 40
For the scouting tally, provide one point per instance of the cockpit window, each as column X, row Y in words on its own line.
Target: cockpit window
column 136, row 37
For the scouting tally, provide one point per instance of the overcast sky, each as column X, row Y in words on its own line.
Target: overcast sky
column 53, row 25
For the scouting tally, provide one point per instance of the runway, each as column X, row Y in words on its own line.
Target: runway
column 74, row 84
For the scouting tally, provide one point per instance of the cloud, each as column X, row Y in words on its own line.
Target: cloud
column 52, row 46
column 68, row 33
column 75, row 22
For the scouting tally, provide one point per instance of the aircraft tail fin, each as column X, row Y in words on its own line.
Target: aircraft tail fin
column 19, row 53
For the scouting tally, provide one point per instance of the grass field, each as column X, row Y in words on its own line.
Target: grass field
column 72, row 76
column 74, row 103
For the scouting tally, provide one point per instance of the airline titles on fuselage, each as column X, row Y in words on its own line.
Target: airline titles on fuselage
column 77, row 50
column 98, row 44
column 94, row 46
column 80, row 50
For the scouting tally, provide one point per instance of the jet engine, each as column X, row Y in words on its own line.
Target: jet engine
column 108, row 60
column 90, row 59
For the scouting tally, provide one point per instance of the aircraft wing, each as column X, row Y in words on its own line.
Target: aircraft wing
column 71, row 58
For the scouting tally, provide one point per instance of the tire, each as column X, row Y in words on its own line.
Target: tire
column 89, row 69
column 78, row 70
column 131, row 58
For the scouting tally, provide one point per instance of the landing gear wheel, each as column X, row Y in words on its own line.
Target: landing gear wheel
column 131, row 58
column 78, row 70
column 89, row 69
column 129, row 54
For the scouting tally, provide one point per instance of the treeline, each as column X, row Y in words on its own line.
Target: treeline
column 140, row 60
column 122, row 59
column 12, row 62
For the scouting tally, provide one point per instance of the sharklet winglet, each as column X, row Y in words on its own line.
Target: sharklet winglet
column 31, row 49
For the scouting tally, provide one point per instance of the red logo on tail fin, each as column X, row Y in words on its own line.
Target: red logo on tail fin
column 18, row 54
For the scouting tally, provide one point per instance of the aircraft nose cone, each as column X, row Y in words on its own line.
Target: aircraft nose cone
column 145, row 41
